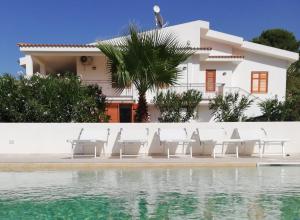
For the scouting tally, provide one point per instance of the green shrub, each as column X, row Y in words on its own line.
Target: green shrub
column 275, row 110
column 177, row 107
column 230, row 108
column 53, row 98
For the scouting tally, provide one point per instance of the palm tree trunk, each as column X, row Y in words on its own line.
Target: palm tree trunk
column 142, row 109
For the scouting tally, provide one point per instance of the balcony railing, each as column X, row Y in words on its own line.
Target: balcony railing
column 108, row 90
column 201, row 87
column 131, row 93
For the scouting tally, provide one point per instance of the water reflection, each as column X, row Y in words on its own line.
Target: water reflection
column 228, row 193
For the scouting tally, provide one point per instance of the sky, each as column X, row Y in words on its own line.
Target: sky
column 84, row 21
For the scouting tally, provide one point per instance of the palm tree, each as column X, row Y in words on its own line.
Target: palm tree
column 148, row 60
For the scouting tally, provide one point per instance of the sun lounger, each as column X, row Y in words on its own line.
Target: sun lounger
column 139, row 136
column 90, row 136
column 256, row 136
column 215, row 136
column 267, row 139
column 247, row 135
column 174, row 135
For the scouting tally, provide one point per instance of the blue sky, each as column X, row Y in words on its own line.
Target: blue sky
column 83, row 21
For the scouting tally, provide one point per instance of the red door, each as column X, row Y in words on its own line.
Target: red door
column 113, row 112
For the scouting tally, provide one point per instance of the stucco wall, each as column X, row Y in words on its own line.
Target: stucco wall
column 217, row 48
column 254, row 62
column 224, row 72
column 38, row 138
column 86, row 72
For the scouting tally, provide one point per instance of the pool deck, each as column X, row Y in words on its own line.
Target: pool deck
column 22, row 162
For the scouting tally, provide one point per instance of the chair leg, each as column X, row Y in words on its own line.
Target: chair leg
column 260, row 150
column 103, row 150
column 214, row 152
column 222, row 149
column 146, row 148
column 191, row 151
column 72, row 151
column 283, row 149
column 237, row 150
column 168, row 152
column 144, row 151
column 95, row 151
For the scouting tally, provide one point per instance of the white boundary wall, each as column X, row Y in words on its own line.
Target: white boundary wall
column 48, row 138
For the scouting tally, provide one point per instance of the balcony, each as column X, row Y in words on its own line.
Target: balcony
column 201, row 87
column 111, row 93
column 130, row 94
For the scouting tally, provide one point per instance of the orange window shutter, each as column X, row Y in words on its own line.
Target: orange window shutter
column 255, row 85
column 259, row 82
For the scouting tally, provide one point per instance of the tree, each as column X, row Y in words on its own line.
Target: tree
column 55, row 98
column 278, row 38
column 177, row 107
column 230, row 108
column 148, row 60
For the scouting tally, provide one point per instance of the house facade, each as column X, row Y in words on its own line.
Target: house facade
column 222, row 63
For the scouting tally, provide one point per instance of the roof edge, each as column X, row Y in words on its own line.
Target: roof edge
column 272, row 51
column 32, row 45
column 56, row 45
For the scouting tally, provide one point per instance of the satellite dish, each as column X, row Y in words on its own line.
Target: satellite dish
column 156, row 9
column 158, row 18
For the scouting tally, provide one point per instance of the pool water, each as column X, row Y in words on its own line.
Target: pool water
column 196, row 193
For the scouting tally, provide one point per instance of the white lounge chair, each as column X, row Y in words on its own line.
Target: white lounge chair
column 90, row 136
column 215, row 136
column 249, row 135
column 139, row 136
column 267, row 139
column 174, row 135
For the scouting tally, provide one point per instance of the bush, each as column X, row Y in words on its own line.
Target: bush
column 230, row 108
column 271, row 109
column 275, row 110
column 53, row 98
column 177, row 107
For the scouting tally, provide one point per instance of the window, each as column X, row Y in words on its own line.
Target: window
column 259, row 82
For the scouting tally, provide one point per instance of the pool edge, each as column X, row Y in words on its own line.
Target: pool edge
column 86, row 166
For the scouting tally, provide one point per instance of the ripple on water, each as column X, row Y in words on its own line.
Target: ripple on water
column 198, row 193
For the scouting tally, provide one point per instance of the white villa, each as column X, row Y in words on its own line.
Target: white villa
column 222, row 63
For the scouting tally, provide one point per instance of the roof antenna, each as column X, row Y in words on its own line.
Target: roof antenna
column 158, row 18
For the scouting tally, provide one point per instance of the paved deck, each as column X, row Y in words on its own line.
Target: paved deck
column 22, row 162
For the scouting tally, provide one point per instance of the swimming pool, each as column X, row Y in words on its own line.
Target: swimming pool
column 196, row 193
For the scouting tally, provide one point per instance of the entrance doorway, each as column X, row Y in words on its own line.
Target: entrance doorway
column 125, row 113
column 121, row 112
